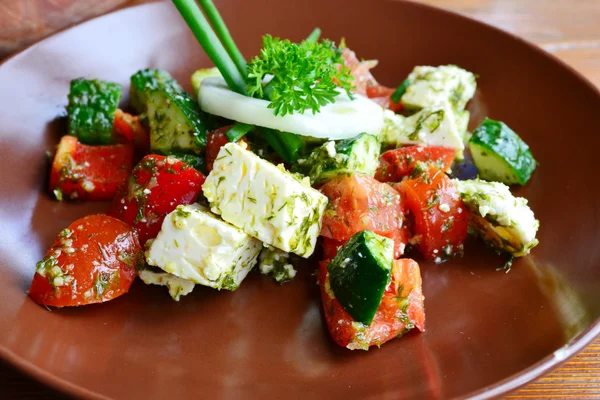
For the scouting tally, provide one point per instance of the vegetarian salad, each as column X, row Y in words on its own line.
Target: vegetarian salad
column 297, row 152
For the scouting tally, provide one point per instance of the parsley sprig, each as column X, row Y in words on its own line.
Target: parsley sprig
column 305, row 76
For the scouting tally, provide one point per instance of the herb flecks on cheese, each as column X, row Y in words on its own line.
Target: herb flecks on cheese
column 436, row 86
column 196, row 245
column 264, row 200
column 177, row 286
column 434, row 126
column 502, row 220
column 275, row 263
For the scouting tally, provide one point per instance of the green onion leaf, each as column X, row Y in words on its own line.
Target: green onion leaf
column 397, row 95
column 286, row 144
column 223, row 33
column 238, row 131
column 210, row 43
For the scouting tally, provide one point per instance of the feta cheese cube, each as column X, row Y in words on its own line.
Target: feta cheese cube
column 394, row 130
column 194, row 244
column 265, row 201
column 462, row 124
column 435, row 86
column 436, row 126
column 504, row 221
column 177, row 286
column 276, row 263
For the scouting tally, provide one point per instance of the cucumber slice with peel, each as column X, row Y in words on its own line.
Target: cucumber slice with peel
column 147, row 80
column 500, row 154
column 92, row 106
column 360, row 272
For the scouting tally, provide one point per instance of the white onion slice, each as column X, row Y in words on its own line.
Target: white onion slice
column 341, row 120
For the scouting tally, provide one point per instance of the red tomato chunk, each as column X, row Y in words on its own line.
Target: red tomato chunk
column 92, row 261
column 87, row 172
column 382, row 95
column 438, row 215
column 358, row 203
column 402, row 309
column 399, row 163
column 129, row 129
column 214, row 141
column 157, row 185
column 330, row 247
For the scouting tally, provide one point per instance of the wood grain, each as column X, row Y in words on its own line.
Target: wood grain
column 565, row 28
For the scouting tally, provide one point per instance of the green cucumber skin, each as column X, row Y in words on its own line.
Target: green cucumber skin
column 147, row 80
column 92, row 106
column 321, row 167
column 176, row 122
column 194, row 161
column 359, row 274
column 497, row 139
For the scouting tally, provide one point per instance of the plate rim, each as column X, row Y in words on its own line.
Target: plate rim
column 509, row 384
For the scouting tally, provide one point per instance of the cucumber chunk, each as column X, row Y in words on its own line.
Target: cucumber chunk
column 330, row 160
column 360, row 272
column 194, row 161
column 500, row 155
column 146, row 80
column 176, row 123
column 92, row 106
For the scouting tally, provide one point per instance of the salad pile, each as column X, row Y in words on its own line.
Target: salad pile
column 298, row 152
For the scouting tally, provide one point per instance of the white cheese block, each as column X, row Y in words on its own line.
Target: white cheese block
column 394, row 130
column 436, row 126
column 177, row 286
column 194, row 244
column 434, row 86
column 462, row 124
column 504, row 221
column 276, row 263
column 265, row 201
column 343, row 119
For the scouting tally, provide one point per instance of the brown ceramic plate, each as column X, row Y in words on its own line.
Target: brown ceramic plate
column 487, row 331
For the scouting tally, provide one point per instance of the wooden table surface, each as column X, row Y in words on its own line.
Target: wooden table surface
column 566, row 28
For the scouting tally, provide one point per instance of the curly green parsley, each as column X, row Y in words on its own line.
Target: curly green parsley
column 305, row 75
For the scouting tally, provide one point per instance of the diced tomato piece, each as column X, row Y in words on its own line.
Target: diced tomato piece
column 359, row 202
column 87, row 172
column 214, row 141
column 330, row 247
column 92, row 261
column 437, row 213
column 382, row 96
column 157, row 185
column 130, row 129
column 402, row 309
column 407, row 284
column 399, row 163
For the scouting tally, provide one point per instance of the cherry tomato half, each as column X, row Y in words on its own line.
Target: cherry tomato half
column 92, row 261
column 157, row 185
